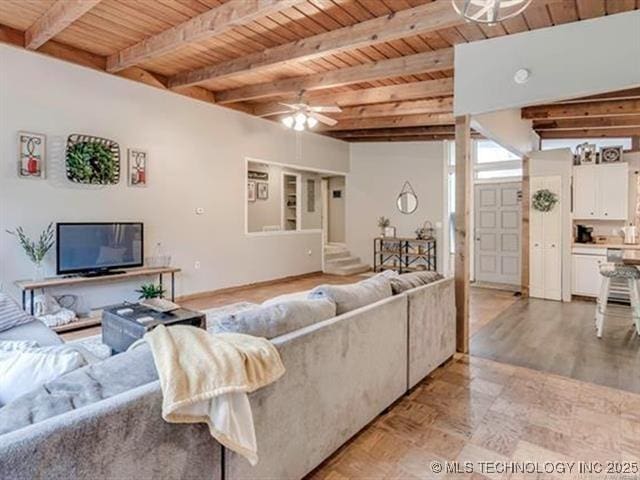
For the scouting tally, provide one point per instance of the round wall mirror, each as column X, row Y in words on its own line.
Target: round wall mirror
column 407, row 202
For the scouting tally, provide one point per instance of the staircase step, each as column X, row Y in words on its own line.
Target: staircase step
column 343, row 261
column 330, row 256
column 349, row 270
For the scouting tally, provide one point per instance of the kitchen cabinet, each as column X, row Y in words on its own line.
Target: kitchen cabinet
column 586, row 274
column 545, row 243
column 601, row 192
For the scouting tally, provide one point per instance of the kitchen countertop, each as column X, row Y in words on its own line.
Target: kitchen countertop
column 608, row 245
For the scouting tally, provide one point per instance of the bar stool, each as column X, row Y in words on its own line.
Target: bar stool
column 615, row 272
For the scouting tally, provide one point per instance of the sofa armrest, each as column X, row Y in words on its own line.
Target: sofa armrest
column 432, row 328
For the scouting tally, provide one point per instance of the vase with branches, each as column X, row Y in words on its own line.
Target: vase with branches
column 35, row 250
column 383, row 222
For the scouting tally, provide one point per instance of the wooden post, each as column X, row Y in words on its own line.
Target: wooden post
column 524, row 252
column 635, row 143
column 464, row 184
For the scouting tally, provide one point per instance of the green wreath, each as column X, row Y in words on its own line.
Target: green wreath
column 91, row 162
column 544, row 200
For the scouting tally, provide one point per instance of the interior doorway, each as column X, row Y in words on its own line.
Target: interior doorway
column 333, row 210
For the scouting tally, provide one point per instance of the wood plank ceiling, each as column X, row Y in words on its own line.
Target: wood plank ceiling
column 387, row 63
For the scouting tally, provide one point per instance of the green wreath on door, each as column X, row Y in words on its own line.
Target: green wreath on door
column 544, row 200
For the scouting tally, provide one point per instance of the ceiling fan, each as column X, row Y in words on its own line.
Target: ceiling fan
column 302, row 115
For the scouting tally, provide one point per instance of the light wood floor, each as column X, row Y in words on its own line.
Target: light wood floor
column 477, row 410
column 560, row 338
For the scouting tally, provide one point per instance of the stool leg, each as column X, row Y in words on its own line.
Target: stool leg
column 635, row 303
column 601, row 307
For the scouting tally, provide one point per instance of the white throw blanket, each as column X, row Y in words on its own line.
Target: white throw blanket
column 205, row 378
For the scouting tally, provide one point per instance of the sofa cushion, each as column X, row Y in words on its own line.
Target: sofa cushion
column 27, row 368
column 80, row 388
column 407, row 281
column 274, row 319
column 35, row 331
column 353, row 296
column 11, row 315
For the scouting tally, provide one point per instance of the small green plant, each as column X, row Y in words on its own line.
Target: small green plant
column 36, row 250
column 150, row 290
column 384, row 222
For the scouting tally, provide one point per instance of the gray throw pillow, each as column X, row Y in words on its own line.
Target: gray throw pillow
column 353, row 296
column 274, row 319
column 11, row 315
column 407, row 281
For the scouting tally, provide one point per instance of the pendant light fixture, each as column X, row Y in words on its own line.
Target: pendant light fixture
column 489, row 11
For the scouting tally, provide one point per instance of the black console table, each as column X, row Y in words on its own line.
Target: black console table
column 404, row 254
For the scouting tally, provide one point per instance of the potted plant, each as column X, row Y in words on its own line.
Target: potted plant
column 150, row 290
column 36, row 250
column 383, row 222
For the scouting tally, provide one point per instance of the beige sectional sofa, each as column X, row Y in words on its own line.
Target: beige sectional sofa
column 341, row 373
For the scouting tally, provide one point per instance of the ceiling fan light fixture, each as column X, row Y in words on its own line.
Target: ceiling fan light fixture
column 288, row 121
column 311, row 122
column 299, row 127
column 489, row 11
column 300, row 118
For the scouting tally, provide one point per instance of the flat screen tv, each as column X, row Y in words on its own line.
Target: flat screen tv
column 98, row 248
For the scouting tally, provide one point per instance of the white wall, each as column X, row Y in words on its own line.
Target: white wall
column 566, row 61
column 559, row 162
column 378, row 171
column 196, row 159
column 508, row 129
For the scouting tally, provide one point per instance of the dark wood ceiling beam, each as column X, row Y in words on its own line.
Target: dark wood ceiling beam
column 590, row 123
column 395, row 67
column 412, row 138
column 410, row 107
column 216, row 21
column 413, row 21
column 585, row 109
column 58, row 17
column 628, row 94
column 390, row 122
column 387, row 132
column 387, row 94
column 591, row 133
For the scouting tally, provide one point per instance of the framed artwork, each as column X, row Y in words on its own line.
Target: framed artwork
column 587, row 153
column 31, row 155
column 92, row 160
column 263, row 191
column 611, row 154
column 137, row 167
column 256, row 175
column 251, row 191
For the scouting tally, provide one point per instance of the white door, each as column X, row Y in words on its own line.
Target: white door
column 584, row 192
column 497, row 232
column 545, row 243
column 612, row 191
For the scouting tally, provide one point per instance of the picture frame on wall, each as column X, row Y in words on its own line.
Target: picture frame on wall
column 611, row 154
column 32, row 155
column 587, row 153
column 263, row 191
column 251, row 191
column 390, row 232
column 137, row 175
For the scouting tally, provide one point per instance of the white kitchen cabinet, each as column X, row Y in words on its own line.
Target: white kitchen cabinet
column 601, row 192
column 545, row 243
column 586, row 274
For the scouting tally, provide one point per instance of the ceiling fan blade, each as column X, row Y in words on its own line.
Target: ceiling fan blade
column 278, row 111
column 324, row 119
column 326, row 109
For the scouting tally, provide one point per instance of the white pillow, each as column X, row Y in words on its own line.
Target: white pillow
column 17, row 345
column 25, row 370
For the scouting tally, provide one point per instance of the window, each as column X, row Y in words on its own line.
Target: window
column 572, row 143
column 491, row 152
column 493, row 162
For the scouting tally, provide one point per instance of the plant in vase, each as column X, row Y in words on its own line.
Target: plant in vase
column 36, row 250
column 150, row 290
column 383, row 222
